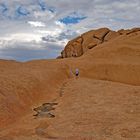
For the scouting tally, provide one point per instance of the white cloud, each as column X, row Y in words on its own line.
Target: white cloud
column 36, row 23
column 22, row 37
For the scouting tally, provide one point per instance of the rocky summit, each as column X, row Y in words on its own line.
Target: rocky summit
column 91, row 39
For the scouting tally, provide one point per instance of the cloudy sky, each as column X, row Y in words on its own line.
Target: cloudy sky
column 39, row 29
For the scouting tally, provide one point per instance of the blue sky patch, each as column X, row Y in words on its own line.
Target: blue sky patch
column 71, row 20
column 45, row 7
column 3, row 8
column 42, row 5
column 51, row 9
column 21, row 11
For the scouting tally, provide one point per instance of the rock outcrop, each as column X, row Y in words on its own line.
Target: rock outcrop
column 91, row 39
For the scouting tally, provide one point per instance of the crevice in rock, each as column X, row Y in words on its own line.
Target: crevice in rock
column 82, row 45
column 96, row 37
column 133, row 31
column 90, row 47
column 62, row 89
column 44, row 110
column 103, row 38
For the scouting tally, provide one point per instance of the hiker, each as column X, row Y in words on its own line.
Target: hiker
column 77, row 72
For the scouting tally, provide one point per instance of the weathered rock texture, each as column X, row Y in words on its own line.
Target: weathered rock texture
column 91, row 39
column 103, row 103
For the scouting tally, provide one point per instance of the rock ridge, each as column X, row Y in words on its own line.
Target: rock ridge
column 86, row 41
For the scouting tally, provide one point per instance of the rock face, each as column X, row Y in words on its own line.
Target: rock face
column 102, row 104
column 91, row 39
column 73, row 49
column 111, row 35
